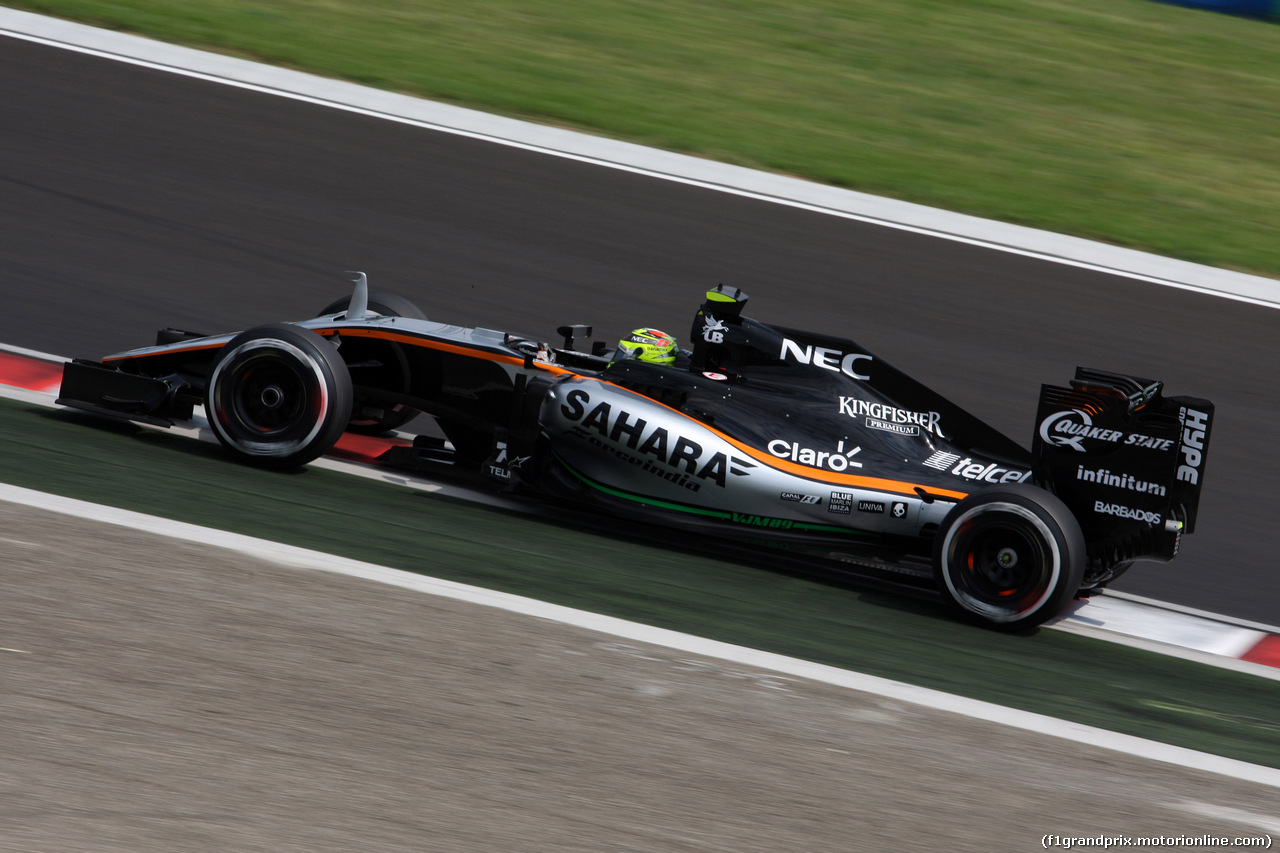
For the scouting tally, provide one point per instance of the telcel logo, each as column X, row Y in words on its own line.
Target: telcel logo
column 991, row 473
column 825, row 357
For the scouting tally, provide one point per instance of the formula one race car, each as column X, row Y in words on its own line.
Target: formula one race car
column 758, row 432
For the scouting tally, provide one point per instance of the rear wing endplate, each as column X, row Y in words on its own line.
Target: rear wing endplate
column 1128, row 461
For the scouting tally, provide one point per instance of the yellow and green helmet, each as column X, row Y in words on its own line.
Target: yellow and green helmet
column 649, row 345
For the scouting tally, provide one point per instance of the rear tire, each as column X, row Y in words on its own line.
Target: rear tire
column 278, row 396
column 1010, row 557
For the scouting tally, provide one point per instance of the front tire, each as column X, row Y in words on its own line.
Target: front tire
column 1010, row 557
column 278, row 396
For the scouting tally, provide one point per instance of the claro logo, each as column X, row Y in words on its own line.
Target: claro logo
column 672, row 457
column 825, row 357
column 840, row 460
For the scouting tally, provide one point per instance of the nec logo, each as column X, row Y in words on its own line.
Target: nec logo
column 825, row 357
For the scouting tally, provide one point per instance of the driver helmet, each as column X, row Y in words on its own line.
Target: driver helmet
column 649, row 345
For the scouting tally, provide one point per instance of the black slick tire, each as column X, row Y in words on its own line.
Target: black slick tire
column 1010, row 557
column 278, row 396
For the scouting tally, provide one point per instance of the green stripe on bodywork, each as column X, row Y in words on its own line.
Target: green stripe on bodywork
column 640, row 499
column 697, row 510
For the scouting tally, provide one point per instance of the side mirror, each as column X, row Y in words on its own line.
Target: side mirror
column 573, row 333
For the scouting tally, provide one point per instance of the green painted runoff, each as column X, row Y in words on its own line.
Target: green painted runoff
column 582, row 566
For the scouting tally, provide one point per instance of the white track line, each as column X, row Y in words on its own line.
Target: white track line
column 1167, row 629
column 1269, row 823
column 301, row 558
column 717, row 176
column 629, row 157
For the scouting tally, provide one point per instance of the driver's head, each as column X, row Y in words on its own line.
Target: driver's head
column 649, row 345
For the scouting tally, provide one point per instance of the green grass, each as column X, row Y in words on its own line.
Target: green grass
column 915, row 641
column 1134, row 122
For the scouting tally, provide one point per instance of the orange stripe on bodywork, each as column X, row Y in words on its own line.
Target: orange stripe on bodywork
column 878, row 483
column 785, row 465
column 470, row 352
column 789, row 467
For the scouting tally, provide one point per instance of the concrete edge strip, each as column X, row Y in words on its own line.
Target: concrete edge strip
column 779, row 189
column 301, row 558
column 1216, row 638
column 1136, row 641
column 1157, row 626
column 1195, row 611
column 31, row 353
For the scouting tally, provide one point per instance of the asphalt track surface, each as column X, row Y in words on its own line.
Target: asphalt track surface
column 162, row 695
column 132, row 199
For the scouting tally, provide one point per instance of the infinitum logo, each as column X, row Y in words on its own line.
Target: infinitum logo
column 1105, row 477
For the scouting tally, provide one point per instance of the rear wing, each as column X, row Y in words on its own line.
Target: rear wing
column 1128, row 461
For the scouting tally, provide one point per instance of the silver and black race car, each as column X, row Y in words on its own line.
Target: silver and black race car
column 759, row 432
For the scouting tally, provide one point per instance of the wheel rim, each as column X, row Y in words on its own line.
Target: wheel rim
column 270, row 398
column 1001, row 561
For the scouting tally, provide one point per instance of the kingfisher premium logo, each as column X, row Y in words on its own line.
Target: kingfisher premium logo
column 890, row 418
